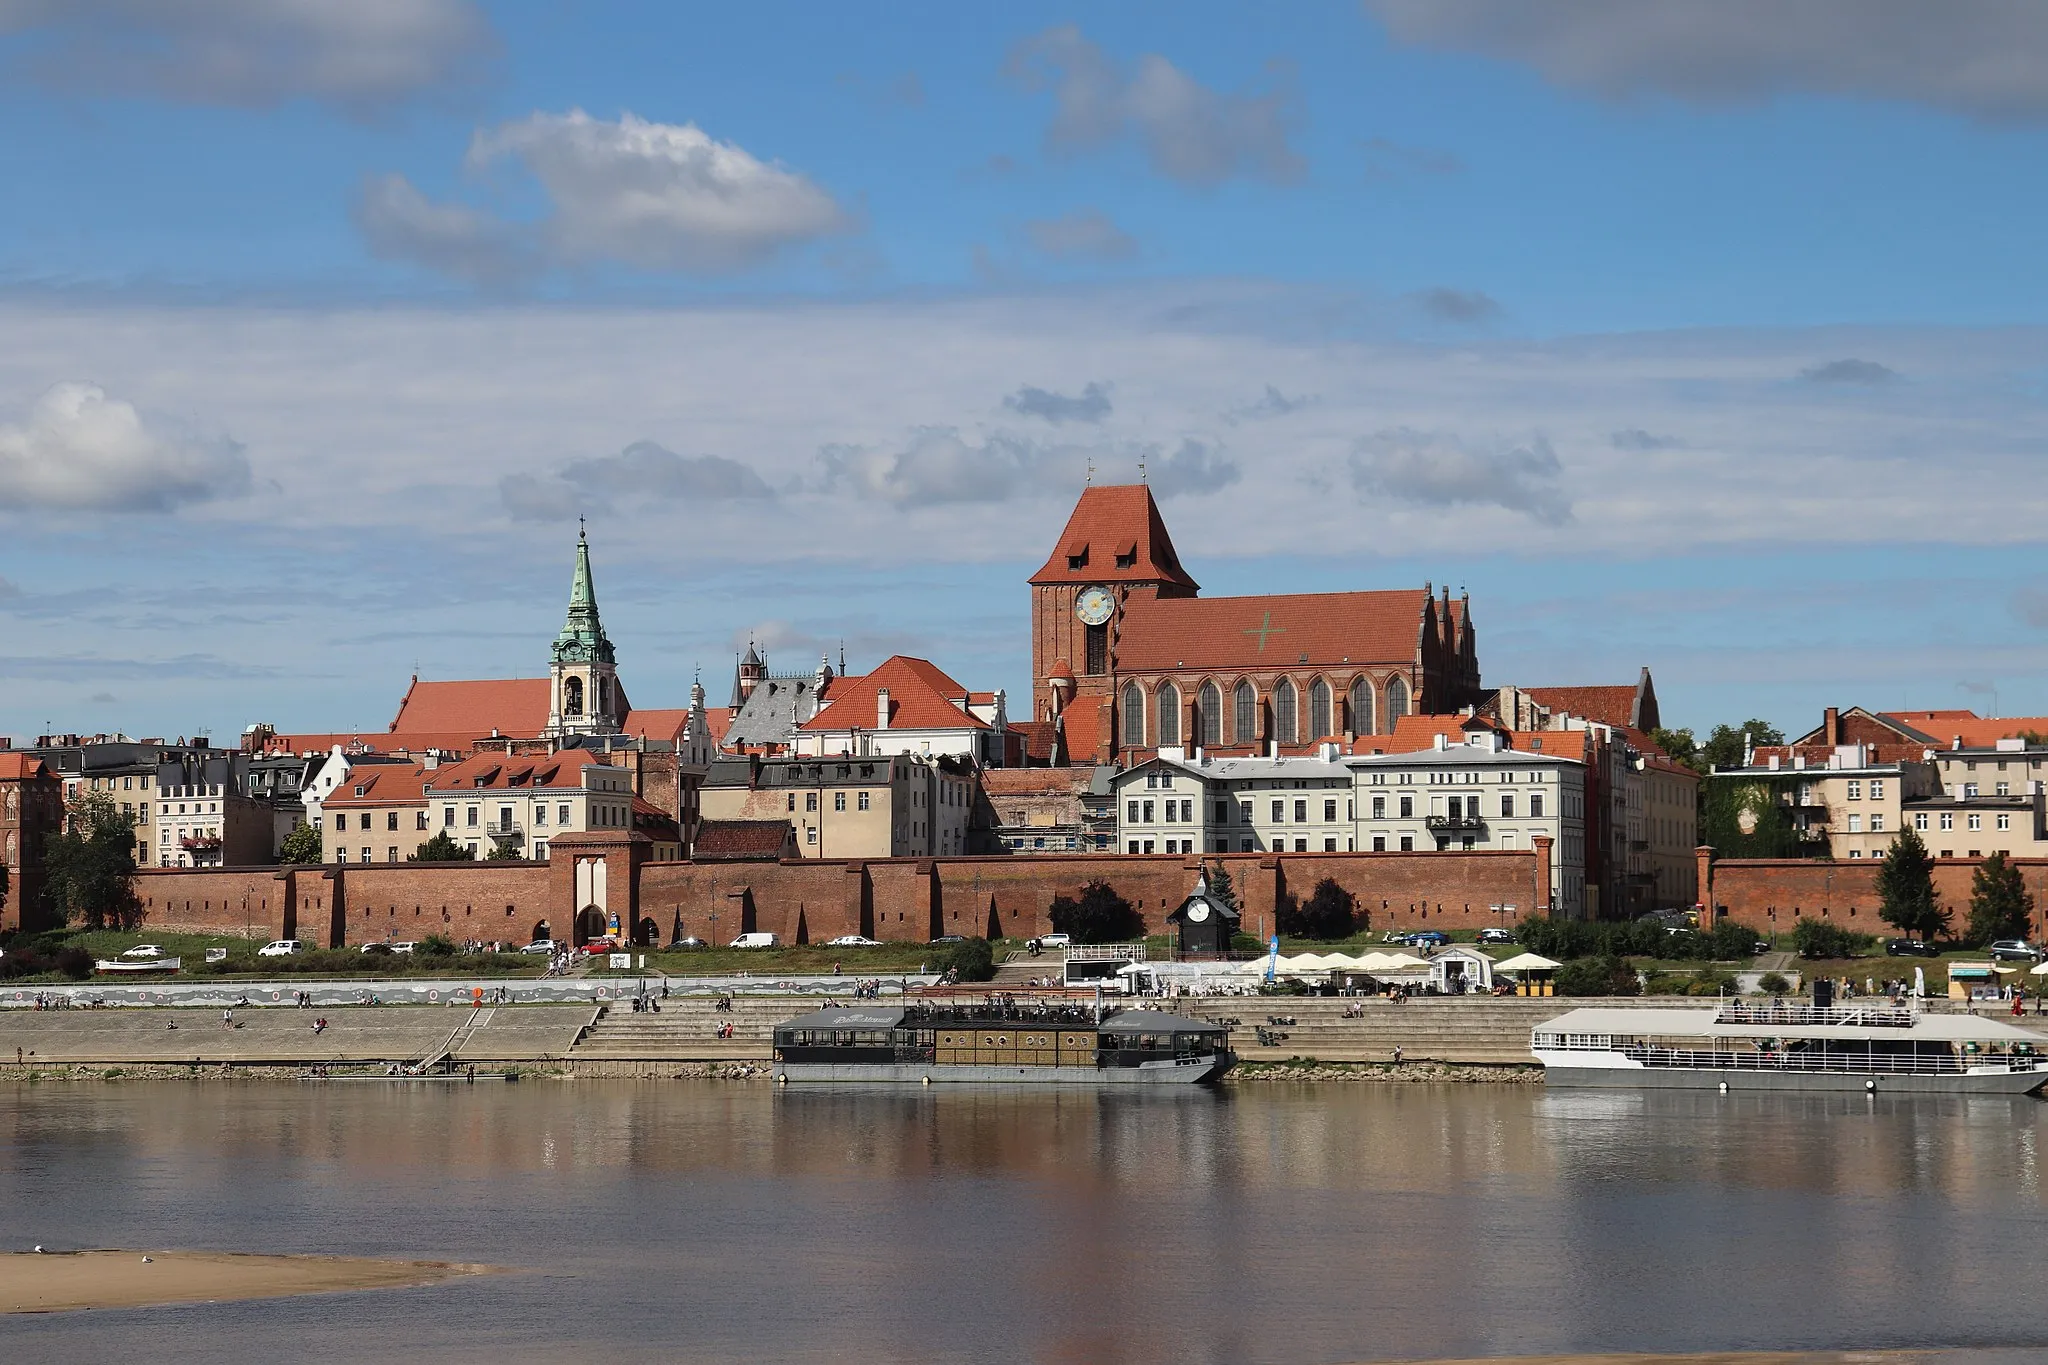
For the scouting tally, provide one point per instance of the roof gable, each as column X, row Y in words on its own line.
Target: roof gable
column 921, row 697
column 511, row 706
column 1115, row 535
column 1293, row 630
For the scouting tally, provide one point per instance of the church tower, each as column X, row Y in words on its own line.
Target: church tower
column 583, row 694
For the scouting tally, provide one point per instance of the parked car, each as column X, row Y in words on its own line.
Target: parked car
column 2016, row 948
column 950, row 938
column 1428, row 938
column 143, row 952
column 690, row 943
column 284, row 947
column 852, row 941
column 757, row 941
column 403, row 946
column 605, row 944
column 1055, row 940
column 377, row 949
column 1496, row 936
column 1908, row 947
column 542, row 945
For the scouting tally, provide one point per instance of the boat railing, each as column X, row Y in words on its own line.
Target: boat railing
column 1106, row 952
column 1901, row 1064
column 1782, row 1012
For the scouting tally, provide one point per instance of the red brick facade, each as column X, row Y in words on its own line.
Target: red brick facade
column 1771, row 895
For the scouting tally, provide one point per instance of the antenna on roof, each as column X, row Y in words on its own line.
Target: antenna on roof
column 1141, row 471
column 842, row 658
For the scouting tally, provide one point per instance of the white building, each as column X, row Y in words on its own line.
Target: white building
column 1173, row 804
column 908, row 706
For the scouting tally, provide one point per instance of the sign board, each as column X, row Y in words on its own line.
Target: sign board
column 623, row 961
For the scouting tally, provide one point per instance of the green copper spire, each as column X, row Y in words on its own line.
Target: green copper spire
column 582, row 640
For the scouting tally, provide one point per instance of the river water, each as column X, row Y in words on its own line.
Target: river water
column 709, row 1221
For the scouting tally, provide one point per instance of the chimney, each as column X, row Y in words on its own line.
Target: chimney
column 1443, row 741
column 1832, row 727
column 881, row 708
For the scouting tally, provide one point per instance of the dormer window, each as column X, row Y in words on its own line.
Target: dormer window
column 359, row 789
column 483, row 781
column 1078, row 560
column 1127, row 558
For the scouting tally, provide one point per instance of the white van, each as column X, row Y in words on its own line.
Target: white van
column 757, row 941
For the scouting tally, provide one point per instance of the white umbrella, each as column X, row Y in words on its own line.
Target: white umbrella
column 1403, row 962
column 1526, row 962
column 2041, row 970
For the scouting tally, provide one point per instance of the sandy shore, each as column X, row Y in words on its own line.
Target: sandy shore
column 33, row 1283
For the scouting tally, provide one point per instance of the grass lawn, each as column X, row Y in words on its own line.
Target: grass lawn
column 888, row 959
column 242, row 959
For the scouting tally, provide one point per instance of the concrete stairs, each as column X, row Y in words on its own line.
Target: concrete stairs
column 1019, row 969
column 1470, row 1029
column 686, row 1030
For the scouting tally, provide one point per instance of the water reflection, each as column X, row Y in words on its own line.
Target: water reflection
column 710, row 1221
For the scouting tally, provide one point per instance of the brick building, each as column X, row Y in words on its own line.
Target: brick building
column 1126, row 655
column 31, row 810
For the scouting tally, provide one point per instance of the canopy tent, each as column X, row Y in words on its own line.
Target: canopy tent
column 1527, row 962
column 2041, row 970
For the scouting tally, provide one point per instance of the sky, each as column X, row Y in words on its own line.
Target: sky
column 1702, row 337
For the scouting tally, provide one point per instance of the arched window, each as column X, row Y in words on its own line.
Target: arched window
column 1319, row 710
column 1284, row 712
column 1397, row 701
column 1169, row 714
column 572, row 696
column 604, row 696
column 1361, row 707
column 1210, row 722
column 1245, row 724
column 1134, row 715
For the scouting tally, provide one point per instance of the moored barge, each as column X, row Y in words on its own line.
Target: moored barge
column 1779, row 1045
column 999, row 1043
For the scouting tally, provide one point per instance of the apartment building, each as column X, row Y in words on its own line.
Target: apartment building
column 1988, row 800
column 513, row 804
column 202, row 816
column 873, row 806
column 1174, row 804
column 379, row 815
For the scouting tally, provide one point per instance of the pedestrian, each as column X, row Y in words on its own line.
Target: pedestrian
column 1397, row 1054
column 227, row 1018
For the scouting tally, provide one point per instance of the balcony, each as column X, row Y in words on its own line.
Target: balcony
column 1460, row 825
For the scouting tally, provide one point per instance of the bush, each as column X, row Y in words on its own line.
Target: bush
column 1245, row 943
column 972, row 960
column 1603, row 975
column 1813, row 938
column 1773, row 983
column 1712, row 981
column 436, row 945
column 1099, row 915
column 75, row 963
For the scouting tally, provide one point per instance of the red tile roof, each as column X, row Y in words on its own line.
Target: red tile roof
column 20, row 767
column 1977, row 732
column 652, row 724
column 1114, row 522
column 1817, row 755
column 1038, row 736
column 512, row 706
column 1083, row 724
column 921, row 697
column 1608, row 705
column 1333, row 629
column 453, row 741
column 1414, row 734
column 742, row 839
column 998, row 782
column 499, row 771
column 383, row 784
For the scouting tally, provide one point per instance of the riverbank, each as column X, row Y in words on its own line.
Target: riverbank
column 33, row 1282
column 1385, row 1073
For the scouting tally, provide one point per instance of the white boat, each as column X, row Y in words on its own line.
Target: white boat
column 1780, row 1045
column 998, row 1043
column 137, row 966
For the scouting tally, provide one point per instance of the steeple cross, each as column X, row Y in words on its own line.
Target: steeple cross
column 1265, row 628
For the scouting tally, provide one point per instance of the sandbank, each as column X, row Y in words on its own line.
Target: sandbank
column 32, row 1282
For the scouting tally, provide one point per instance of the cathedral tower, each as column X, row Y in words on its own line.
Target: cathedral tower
column 583, row 695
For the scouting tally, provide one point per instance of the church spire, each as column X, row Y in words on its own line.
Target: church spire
column 583, row 639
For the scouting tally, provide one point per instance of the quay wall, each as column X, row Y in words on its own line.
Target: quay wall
column 1771, row 895
column 807, row 900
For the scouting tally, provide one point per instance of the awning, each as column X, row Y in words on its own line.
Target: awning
column 1526, row 962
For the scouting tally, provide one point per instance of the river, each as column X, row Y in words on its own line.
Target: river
column 709, row 1221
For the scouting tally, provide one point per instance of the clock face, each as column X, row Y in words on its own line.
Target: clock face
column 1094, row 606
column 1198, row 912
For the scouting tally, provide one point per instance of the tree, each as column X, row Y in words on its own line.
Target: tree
column 1905, row 889
column 442, row 848
column 1331, row 912
column 1724, row 746
column 1679, row 745
column 1999, row 904
column 970, row 960
column 1222, row 890
column 1605, row 975
column 90, row 865
column 504, row 852
column 1100, row 915
column 302, row 845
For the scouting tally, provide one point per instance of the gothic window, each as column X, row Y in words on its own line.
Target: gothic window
column 1211, row 718
column 1319, row 709
column 572, row 696
column 1284, row 711
column 1098, row 649
column 1361, row 707
column 1245, row 724
column 1169, row 714
column 604, row 696
column 1397, row 701
column 1134, row 714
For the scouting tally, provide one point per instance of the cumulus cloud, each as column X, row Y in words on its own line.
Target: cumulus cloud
column 1187, row 131
column 1087, row 234
column 77, row 449
column 1865, row 372
column 1636, row 439
column 103, row 699
column 641, row 471
column 358, row 56
column 1271, row 403
column 1457, row 305
column 1984, row 58
column 654, row 196
column 1091, row 405
column 1196, row 467
column 938, row 465
column 1437, row 469
column 1387, row 160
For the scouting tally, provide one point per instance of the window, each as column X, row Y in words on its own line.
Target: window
column 540, row 850
column 1284, row 727
column 391, row 819
column 340, row 854
column 1279, row 812
column 1507, row 806
column 1855, row 824
column 1877, row 789
column 1209, row 715
column 1148, row 845
column 504, row 817
column 471, row 818
column 1131, row 847
column 862, row 801
column 562, row 814
column 1855, row 790
column 1245, row 720
column 1329, row 812
column 1970, row 790
column 838, row 800
column 792, row 801
column 1976, row 821
column 1187, row 815
column 1169, row 714
column 1407, row 808
column 572, row 697
column 1536, row 805
column 2002, row 789
column 1244, row 812
column 1172, row 814
column 1134, row 715
column 1407, row 843
column 1319, row 710
column 540, row 817
column 2005, row 822
column 1301, row 845
column 1920, row 819
column 1379, row 808
column 1148, row 812
column 1948, row 821
column 1379, row 843
column 1397, row 700
column 366, row 854
column 391, row 854
column 448, row 817
column 1301, row 812
column 1361, row 706
column 810, row 801
column 1329, row 845
column 419, row 820
column 1876, row 823
column 810, row 834
column 1098, row 649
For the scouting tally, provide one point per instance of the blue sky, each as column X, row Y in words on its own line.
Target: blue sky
column 1684, row 335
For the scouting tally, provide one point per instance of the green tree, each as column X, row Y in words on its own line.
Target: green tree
column 1905, row 889
column 971, row 960
column 1999, row 904
column 1678, row 744
column 90, row 865
column 505, row 851
column 1223, row 890
column 1330, row 913
column 1724, row 745
column 1098, row 915
column 302, row 845
column 442, row 848
column 1604, row 975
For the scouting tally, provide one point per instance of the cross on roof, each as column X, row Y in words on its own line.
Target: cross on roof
column 1265, row 628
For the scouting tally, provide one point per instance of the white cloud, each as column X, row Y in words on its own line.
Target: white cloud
column 1195, row 467
column 1092, row 404
column 1437, row 469
column 1985, row 58
column 642, row 471
column 937, row 465
column 1867, row 373
column 78, row 449
column 653, row 196
column 359, row 55
column 1086, row 234
column 1187, row 131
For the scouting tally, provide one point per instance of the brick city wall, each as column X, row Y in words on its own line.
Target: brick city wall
column 908, row 899
column 1771, row 895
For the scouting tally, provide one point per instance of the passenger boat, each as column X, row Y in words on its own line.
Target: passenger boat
column 994, row 1042
column 1778, row 1045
